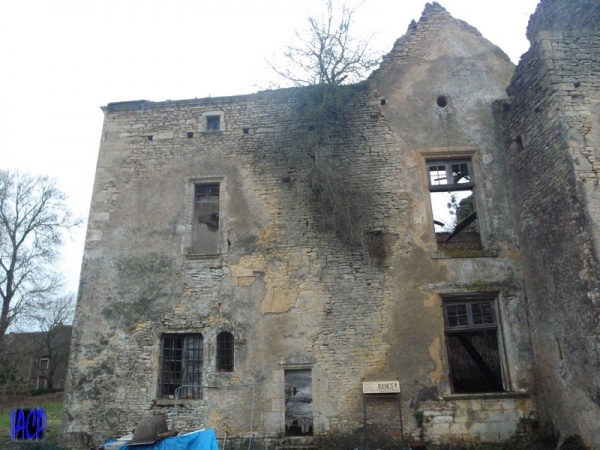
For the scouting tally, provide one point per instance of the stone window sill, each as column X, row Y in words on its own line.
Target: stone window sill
column 486, row 395
column 171, row 401
column 490, row 253
column 193, row 256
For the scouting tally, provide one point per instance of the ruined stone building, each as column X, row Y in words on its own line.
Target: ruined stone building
column 252, row 260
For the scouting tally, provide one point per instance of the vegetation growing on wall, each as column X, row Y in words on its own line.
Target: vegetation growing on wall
column 340, row 206
column 325, row 57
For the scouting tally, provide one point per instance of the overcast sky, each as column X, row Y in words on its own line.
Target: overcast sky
column 62, row 59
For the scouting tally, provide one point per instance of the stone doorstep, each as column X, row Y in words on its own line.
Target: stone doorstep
column 294, row 443
column 295, row 447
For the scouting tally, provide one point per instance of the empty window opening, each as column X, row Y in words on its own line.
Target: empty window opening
column 472, row 339
column 181, row 364
column 577, row 84
column 298, row 402
column 246, row 130
column 225, row 352
column 213, row 123
column 383, row 101
column 44, row 363
column 190, row 134
column 311, row 128
column 205, row 240
column 442, row 101
column 150, row 137
column 519, row 143
column 453, row 205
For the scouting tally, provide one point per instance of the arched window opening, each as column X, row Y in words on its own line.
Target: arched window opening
column 225, row 352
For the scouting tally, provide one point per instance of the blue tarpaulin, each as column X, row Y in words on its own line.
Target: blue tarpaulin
column 196, row 440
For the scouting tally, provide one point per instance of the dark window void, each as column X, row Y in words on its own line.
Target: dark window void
column 298, row 403
column 213, row 123
column 453, row 204
column 205, row 239
column 473, row 347
column 225, row 352
column 442, row 101
column 181, row 365
column 519, row 143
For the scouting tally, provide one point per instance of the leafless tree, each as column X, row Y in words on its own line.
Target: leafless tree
column 33, row 215
column 327, row 52
column 9, row 384
column 51, row 320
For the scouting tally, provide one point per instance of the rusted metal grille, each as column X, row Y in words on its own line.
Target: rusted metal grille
column 298, row 403
column 225, row 352
column 181, row 364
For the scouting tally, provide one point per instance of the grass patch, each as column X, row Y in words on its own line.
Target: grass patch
column 53, row 407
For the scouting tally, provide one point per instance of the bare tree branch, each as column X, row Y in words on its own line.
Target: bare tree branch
column 51, row 318
column 327, row 53
column 33, row 216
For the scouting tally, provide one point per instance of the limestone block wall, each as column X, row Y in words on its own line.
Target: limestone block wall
column 552, row 164
column 476, row 419
column 291, row 292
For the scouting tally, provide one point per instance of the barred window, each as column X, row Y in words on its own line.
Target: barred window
column 225, row 352
column 472, row 338
column 181, row 365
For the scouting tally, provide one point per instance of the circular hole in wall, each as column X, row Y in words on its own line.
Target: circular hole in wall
column 442, row 101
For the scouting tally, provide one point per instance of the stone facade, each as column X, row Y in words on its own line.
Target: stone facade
column 295, row 296
column 551, row 124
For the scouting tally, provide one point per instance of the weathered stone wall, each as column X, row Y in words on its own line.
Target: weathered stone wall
column 292, row 293
column 485, row 419
column 552, row 166
column 561, row 15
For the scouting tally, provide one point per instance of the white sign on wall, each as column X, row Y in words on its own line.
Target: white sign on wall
column 381, row 387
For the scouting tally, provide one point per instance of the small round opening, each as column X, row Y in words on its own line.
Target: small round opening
column 442, row 101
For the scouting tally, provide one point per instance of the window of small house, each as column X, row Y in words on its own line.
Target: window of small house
column 41, row 383
column 44, row 362
column 205, row 239
column 213, row 123
column 225, row 352
column 451, row 188
column 473, row 342
column 181, row 364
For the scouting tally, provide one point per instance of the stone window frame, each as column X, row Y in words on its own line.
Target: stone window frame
column 471, row 298
column 203, row 125
column 455, row 154
column 189, row 202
